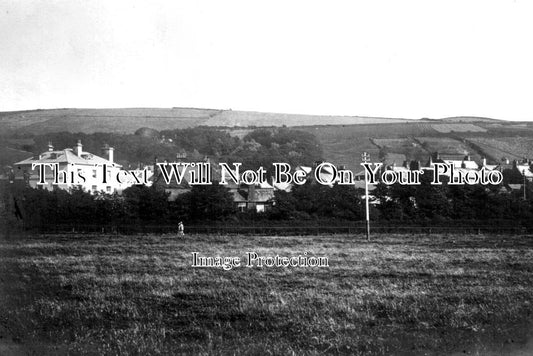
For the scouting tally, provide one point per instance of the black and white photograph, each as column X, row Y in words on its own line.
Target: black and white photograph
column 266, row 177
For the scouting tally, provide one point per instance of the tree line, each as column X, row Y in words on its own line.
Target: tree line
column 310, row 203
column 258, row 147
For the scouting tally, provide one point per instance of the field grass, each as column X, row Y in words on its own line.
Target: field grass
column 406, row 146
column 232, row 118
column 398, row 294
column 444, row 145
column 128, row 120
column 447, row 128
column 509, row 147
column 344, row 144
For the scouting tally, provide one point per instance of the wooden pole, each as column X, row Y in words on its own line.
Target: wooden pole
column 366, row 158
column 524, row 175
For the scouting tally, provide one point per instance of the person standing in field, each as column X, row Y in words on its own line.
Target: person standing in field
column 181, row 229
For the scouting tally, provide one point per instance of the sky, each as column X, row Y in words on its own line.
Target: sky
column 408, row 59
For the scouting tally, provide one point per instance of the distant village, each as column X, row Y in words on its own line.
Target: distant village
column 259, row 197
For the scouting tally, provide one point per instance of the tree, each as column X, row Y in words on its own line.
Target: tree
column 146, row 203
column 207, row 202
column 312, row 200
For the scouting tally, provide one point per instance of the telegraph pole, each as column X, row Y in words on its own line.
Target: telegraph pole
column 524, row 175
column 365, row 158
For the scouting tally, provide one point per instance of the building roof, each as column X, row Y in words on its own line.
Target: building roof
column 264, row 185
column 398, row 169
column 306, row 169
column 515, row 186
column 67, row 156
column 237, row 197
column 283, row 186
column 462, row 163
column 262, row 196
column 524, row 169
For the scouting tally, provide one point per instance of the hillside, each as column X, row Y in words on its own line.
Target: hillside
column 251, row 118
column 342, row 138
column 10, row 155
column 416, row 140
column 468, row 119
column 102, row 120
column 129, row 120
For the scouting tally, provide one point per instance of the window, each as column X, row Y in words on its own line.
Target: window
column 94, row 188
column 94, row 173
column 108, row 189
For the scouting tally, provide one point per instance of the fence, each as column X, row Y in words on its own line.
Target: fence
column 281, row 230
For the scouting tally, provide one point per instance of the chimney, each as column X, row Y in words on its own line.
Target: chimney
column 251, row 193
column 484, row 162
column 108, row 152
column 77, row 149
column 50, row 147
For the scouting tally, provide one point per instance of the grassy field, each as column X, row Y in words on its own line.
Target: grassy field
column 402, row 295
column 344, row 144
column 447, row 128
column 128, row 120
column 509, row 147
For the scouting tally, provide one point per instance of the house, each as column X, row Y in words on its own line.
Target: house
column 258, row 197
column 524, row 169
column 456, row 160
column 72, row 163
column 488, row 167
column 515, row 187
column 240, row 202
column 519, row 170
